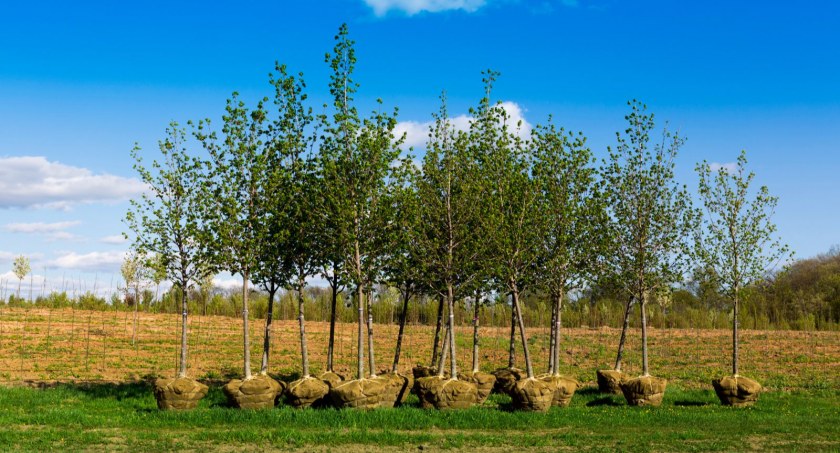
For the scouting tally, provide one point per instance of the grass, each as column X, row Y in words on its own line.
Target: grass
column 800, row 412
column 123, row 417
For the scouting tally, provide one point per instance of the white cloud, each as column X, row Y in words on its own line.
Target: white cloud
column 728, row 167
column 6, row 257
column 90, row 262
column 115, row 239
column 415, row 133
column 516, row 118
column 418, row 133
column 227, row 283
column 35, row 182
column 39, row 227
column 411, row 7
column 52, row 231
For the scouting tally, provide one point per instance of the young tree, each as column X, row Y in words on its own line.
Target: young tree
column 302, row 258
column 358, row 164
column 403, row 264
column 21, row 269
column 287, row 189
column 235, row 188
column 737, row 244
column 572, row 211
column 136, row 275
column 449, row 216
column 514, row 227
column 157, row 272
column 167, row 221
column 651, row 218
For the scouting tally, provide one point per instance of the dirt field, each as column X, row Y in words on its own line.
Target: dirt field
column 67, row 344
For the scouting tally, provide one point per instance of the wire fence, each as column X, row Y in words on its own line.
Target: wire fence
column 71, row 344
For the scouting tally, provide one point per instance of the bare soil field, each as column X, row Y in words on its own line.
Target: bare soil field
column 45, row 345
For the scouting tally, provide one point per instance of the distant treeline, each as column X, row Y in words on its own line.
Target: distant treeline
column 805, row 296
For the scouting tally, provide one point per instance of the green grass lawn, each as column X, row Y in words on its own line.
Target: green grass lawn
column 124, row 417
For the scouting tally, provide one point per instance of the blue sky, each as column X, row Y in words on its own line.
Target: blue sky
column 80, row 83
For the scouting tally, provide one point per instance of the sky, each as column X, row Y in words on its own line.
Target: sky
column 81, row 82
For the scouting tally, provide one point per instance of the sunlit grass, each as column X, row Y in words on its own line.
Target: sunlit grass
column 124, row 417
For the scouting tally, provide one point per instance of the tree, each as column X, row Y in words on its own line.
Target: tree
column 737, row 242
column 650, row 215
column 167, row 219
column 21, row 269
column 301, row 250
column 285, row 245
column 573, row 212
column 157, row 272
column 403, row 262
column 234, row 188
column 136, row 274
column 513, row 228
column 448, row 208
column 358, row 159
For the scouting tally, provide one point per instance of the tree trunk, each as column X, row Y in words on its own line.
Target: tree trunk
column 512, row 344
column 528, row 368
column 552, row 341
column 303, row 351
column 371, row 360
column 735, row 334
column 555, row 330
column 444, row 352
column 182, row 365
column 360, row 372
column 620, row 354
column 246, row 361
column 134, row 328
column 475, row 331
column 272, row 290
column 333, row 304
column 452, row 357
column 644, row 337
column 403, row 315
column 435, row 350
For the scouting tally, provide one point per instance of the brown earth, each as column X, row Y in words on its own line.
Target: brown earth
column 44, row 345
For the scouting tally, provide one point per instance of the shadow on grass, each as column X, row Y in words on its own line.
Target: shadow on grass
column 118, row 391
column 604, row 401
column 588, row 391
column 691, row 403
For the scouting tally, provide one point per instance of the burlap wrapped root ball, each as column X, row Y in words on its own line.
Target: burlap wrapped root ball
column 421, row 371
column 331, row 378
column 644, row 391
column 358, row 393
column 506, row 379
column 531, row 394
column 736, row 391
column 609, row 381
column 423, row 389
column 446, row 394
column 564, row 389
column 400, row 385
column 484, row 382
column 179, row 393
column 305, row 392
column 259, row 392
